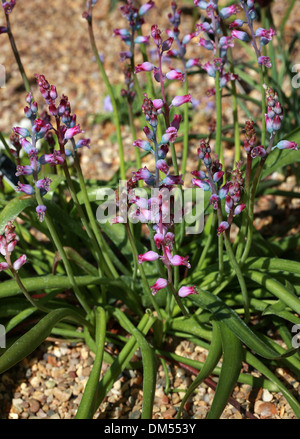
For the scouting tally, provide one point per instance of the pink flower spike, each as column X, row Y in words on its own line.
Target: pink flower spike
column 3, row 266
column 186, row 291
column 71, row 132
column 180, row 100
column 19, row 262
column 144, row 67
column 159, row 285
column 148, row 257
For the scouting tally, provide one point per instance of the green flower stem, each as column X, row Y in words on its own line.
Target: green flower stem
column 82, row 300
column 85, row 223
column 219, row 149
column 185, row 131
column 16, row 54
column 133, row 135
column 90, row 213
column 111, row 95
column 239, row 275
column 208, row 242
column 254, row 186
column 142, row 272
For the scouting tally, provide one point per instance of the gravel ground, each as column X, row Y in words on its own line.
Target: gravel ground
column 50, row 383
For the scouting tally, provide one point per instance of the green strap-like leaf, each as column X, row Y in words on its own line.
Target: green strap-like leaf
column 26, row 344
column 149, row 363
column 223, row 313
column 214, row 355
column 231, row 367
column 275, row 288
column 85, row 409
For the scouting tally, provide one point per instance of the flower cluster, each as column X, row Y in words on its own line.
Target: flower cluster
column 135, row 19
column 217, row 42
column 173, row 74
column 42, row 128
column 264, row 35
column 8, row 6
column 8, row 242
column 250, row 142
column 212, row 180
column 181, row 43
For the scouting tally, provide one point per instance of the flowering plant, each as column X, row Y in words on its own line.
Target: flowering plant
column 173, row 251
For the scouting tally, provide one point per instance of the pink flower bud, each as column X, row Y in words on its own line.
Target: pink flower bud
column 180, row 100
column 222, row 227
column 175, row 74
column 19, row 262
column 71, row 132
column 159, row 285
column 144, row 67
column 186, row 291
column 148, row 256
column 3, row 266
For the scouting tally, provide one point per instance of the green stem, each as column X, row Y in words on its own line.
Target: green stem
column 59, row 246
column 142, row 272
column 185, row 131
column 112, row 98
column 239, row 274
column 16, row 54
column 90, row 213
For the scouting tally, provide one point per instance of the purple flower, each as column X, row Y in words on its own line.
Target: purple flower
column 265, row 60
column 24, row 170
column 228, row 12
column 26, row 188
column 171, row 179
column 204, row 185
column 214, row 201
column 52, row 159
column 41, row 211
column 23, row 132
column 146, row 7
column 169, row 136
column 144, row 174
column 143, row 144
column 222, row 227
column 240, row 35
column 44, row 184
column 71, row 132
column 162, row 166
column 81, row 143
column 258, row 151
column 107, row 105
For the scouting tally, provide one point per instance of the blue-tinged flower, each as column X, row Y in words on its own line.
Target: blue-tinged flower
column 286, row 144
